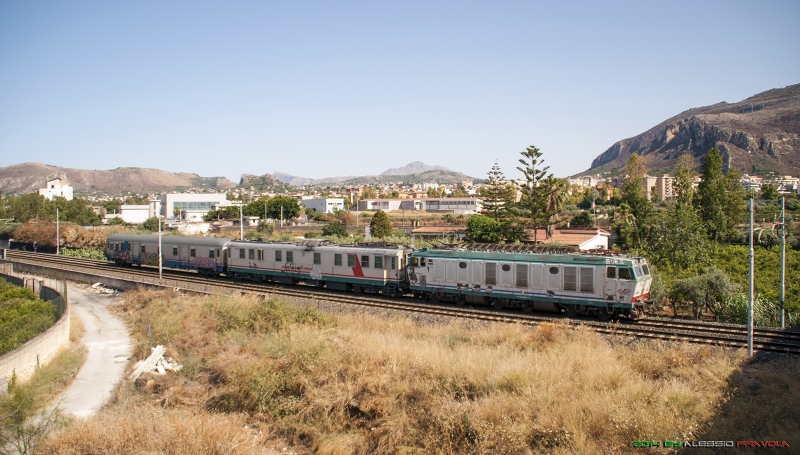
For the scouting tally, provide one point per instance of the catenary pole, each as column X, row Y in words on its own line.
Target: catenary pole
column 783, row 258
column 241, row 223
column 159, row 250
column 58, row 231
column 750, row 289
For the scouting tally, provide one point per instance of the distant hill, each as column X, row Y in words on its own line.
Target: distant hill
column 437, row 176
column 416, row 172
column 29, row 177
column 263, row 183
column 416, row 167
column 758, row 135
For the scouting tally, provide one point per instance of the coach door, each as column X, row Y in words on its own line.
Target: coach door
column 135, row 251
column 477, row 276
column 452, row 265
column 611, row 283
column 183, row 253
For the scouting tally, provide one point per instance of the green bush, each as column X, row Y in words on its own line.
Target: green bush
column 22, row 316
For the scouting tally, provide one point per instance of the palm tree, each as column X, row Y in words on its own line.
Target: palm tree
column 555, row 200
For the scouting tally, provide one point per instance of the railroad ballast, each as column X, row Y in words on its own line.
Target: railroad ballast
column 603, row 284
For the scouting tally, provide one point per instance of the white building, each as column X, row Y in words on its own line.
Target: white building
column 57, row 187
column 194, row 205
column 134, row 214
column 324, row 204
column 461, row 205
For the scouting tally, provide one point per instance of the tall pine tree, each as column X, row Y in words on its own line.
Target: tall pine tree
column 536, row 192
column 497, row 194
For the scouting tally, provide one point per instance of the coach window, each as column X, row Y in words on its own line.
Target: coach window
column 143, row 250
column 251, row 254
column 211, row 254
column 611, row 272
column 278, row 256
column 174, row 250
column 260, row 255
column 394, row 263
column 378, row 262
column 351, row 260
column 317, row 259
column 337, row 259
column 625, row 274
column 289, row 256
column 365, row 261
column 241, row 253
column 415, row 262
column 192, row 252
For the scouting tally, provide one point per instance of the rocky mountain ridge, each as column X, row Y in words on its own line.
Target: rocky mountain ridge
column 757, row 135
column 29, row 177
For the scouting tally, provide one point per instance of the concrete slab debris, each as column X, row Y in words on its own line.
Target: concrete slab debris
column 156, row 363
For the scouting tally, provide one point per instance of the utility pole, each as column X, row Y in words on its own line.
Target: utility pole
column 159, row 249
column 241, row 222
column 58, row 233
column 281, row 215
column 594, row 206
column 750, row 289
column 783, row 258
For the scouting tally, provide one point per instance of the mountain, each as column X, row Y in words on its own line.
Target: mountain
column 438, row 176
column 416, row 171
column 29, row 177
column 262, row 183
column 301, row 181
column 416, row 167
column 757, row 135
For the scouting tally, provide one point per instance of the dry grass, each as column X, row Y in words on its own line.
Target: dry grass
column 364, row 384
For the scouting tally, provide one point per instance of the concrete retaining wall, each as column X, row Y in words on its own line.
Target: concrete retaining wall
column 37, row 352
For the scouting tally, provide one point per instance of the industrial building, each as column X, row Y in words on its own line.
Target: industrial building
column 459, row 205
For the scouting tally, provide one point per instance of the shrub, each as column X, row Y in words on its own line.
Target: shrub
column 335, row 228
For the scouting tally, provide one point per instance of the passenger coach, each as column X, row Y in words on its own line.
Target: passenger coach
column 204, row 254
column 371, row 269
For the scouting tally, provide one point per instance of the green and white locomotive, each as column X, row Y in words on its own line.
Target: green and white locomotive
column 603, row 285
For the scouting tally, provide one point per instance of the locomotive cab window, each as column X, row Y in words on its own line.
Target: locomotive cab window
column 241, row 253
column 278, row 256
column 351, row 260
column 611, row 272
column 645, row 269
column 317, row 259
column 378, row 262
column 337, row 260
column 422, row 262
column 365, row 261
column 625, row 274
column 415, row 262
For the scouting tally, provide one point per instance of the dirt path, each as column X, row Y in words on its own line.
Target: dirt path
column 109, row 348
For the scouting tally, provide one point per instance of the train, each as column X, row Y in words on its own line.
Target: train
column 603, row 284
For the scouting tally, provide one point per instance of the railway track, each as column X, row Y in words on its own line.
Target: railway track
column 728, row 335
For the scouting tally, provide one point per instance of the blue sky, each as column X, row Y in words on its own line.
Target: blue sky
column 322, row 89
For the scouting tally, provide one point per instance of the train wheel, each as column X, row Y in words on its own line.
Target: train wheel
column 571, row 310
column 604, row 315
column 527, row 307
column 498, row 304
column 433, row 297
column 461, row 300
